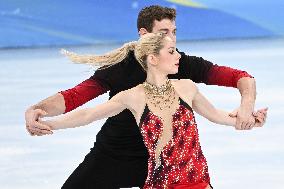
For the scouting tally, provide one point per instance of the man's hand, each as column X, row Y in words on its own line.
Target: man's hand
column 258, row 117
column 33, row 126
column 245, row 119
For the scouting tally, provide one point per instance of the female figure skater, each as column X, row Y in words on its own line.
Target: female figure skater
column 163, row 110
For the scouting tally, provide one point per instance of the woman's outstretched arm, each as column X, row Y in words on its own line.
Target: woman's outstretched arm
column 88, row 115
column 203, row 107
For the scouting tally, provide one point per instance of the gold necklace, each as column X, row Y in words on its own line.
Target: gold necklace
column 162, row 96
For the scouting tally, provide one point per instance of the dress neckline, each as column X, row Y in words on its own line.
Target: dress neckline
column 146, row 113
column 159, row 117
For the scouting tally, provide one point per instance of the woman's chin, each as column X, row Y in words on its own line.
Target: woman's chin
column 172, row 73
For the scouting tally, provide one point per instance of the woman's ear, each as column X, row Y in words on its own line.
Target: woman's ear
column 152, row 60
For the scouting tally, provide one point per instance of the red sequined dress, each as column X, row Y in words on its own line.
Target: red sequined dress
column 180, row 162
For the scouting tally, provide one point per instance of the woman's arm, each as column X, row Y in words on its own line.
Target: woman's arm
column 203, row 107
column 85, row 116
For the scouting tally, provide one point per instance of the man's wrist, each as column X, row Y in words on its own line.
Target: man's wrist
column 247, row 88
column 37, row 106
column 248, row 105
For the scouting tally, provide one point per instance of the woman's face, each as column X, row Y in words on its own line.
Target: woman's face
column 168, row 59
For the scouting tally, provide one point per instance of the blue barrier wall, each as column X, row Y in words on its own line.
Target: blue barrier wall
column 29, row 23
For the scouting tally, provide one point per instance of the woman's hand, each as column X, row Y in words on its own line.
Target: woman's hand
column 260, row 117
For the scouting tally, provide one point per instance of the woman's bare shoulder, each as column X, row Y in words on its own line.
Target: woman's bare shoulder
column 134, row 95
column 186, row 89
column 135, row 91
column 185, row 84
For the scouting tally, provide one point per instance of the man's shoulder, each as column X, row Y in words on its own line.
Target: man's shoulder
column 114, row 73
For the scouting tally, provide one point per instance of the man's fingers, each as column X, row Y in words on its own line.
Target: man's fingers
column 39, row 132
column 238, row 124
column 233, row 113
column 33, row 126
column 35, row 114
column 42, row 112
column 43, row 131
column 39, row 113
column 249, row 125
column 252, row 123
column 243, row 125
column 246, row 126
column 40, row 126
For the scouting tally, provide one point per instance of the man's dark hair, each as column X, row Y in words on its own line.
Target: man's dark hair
column 148, row 15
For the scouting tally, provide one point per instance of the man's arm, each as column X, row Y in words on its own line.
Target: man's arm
column 247, row 88
column 84, row 92
column 62, row 102
column 226, row 76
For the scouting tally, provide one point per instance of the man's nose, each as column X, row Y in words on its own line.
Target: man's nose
column 172, row 36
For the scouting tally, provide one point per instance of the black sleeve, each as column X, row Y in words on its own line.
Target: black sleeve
column 109, row 75
column 194, row 68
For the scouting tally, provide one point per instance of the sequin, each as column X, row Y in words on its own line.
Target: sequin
column 181, row 160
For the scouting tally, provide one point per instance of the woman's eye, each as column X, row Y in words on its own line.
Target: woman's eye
column 172, row 52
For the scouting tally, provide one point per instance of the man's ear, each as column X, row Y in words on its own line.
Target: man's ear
column 142, row 31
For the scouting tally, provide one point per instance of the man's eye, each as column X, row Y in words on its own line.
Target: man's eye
column 172, row 52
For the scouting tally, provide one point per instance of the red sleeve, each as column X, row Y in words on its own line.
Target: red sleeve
column 225, row 76
column 82, row 93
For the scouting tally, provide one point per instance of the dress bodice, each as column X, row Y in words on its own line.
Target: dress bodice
column 178, row 160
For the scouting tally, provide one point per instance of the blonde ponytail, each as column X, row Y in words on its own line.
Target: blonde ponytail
column 150, row 43
column 105, row 60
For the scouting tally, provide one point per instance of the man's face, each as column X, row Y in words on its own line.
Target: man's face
column 165, row 26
